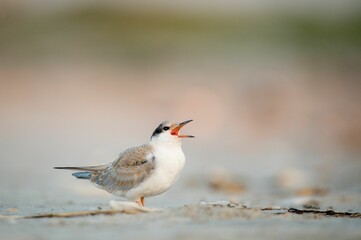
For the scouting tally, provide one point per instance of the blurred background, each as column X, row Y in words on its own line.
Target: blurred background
column 273, row 88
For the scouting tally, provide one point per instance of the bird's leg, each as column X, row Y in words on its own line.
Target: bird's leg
column 142, row 200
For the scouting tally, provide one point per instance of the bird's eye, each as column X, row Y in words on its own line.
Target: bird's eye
column 166, row 128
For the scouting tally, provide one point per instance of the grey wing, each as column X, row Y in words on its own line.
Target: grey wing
column 130, row 169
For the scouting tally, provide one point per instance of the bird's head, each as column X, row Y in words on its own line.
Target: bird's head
column 169, row 132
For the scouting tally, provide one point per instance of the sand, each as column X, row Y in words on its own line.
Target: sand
column 225, row 219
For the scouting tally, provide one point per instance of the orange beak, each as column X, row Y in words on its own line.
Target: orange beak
column 175, row 130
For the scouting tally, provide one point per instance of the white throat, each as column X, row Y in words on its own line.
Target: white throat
column 165, row 141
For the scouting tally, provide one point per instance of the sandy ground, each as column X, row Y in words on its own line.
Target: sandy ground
column 179, row 217
column 187, row 222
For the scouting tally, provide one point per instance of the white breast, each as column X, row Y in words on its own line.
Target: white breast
column 169, row 163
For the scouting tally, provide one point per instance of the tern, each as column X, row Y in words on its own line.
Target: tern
column 143, row 171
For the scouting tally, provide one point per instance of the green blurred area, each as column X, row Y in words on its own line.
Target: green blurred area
column 142, row 35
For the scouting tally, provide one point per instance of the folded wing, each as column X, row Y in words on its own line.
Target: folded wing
column 130, row 169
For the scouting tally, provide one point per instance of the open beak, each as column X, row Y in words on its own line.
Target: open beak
column 175, row 130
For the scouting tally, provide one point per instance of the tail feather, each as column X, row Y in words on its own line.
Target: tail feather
column 82, row 175
column 86, row 172
column 86, row 168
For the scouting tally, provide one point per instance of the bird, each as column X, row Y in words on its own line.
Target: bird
column 143, row 171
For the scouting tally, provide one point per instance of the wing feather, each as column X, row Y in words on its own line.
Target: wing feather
column 130, row 169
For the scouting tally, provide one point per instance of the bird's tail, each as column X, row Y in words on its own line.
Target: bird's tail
column 82, row 175
column 86, row 171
